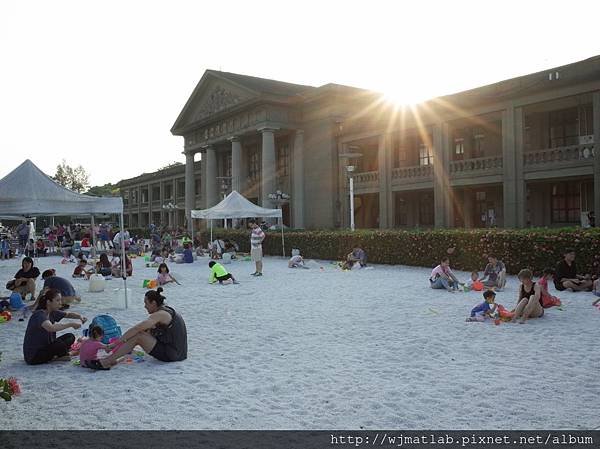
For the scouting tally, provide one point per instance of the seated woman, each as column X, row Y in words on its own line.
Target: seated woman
column 443, row 277
column 24, row 281
column 103, row 266
column 358, row 255
column 40, row 344
column 163, row 334
column 529, row 304
column 66, row 289
column 40, row 248
column 188, row 255
column 231, row 247
column 30, row 248
column 116, row 266
column 66, row 246
column 494, row 274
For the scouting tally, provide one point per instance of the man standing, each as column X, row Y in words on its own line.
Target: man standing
column 23, row 233
column 256, row 238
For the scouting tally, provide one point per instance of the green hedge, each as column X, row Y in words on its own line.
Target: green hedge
column 468, row 249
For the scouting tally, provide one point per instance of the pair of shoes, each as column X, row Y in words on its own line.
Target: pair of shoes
column 254, row 274
column 96, row 365
column 257, row 274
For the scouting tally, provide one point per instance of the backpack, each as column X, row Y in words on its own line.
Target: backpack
column 108, row 325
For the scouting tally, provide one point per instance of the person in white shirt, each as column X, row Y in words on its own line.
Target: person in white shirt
column 256, row 238
column 296, row 261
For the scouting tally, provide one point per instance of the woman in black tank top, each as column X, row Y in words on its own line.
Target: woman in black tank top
column 163, row 334
column 529, row 304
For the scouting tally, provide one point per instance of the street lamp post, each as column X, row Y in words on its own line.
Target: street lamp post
column 279, row 198
column 224, row 189
column 350, row 170
column 170, row 208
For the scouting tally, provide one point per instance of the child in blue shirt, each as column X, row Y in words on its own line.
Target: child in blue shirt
column 487, row 309
column 4, row 249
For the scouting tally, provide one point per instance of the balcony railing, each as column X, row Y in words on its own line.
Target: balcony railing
column 366, row 177
column 468, row 166
column 365, row 180
column 413, row 172
column 575, row 153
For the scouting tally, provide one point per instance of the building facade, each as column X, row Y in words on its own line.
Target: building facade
column 158, row 197
column 518, row 153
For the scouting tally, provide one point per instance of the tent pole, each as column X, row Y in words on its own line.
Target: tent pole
column 211, row 239
column 123, row 265
column 282, row 239
column 93, row 252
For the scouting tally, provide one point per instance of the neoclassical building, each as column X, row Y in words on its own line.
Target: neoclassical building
column 521, row 152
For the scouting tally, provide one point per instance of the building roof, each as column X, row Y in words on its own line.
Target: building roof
column 263, row 85
column 155, row 176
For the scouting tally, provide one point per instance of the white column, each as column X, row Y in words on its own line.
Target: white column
column 298, row 180
column 596, row 114
column 236, row 164
column 210, row 180
column 268, row 167
column 384, row 145
column 190, row 194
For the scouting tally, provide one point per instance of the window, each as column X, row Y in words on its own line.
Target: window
column 565, row 203
column 586, row 123
column 400, row 153
column 426, row 214
column 227, row 166
column 459, row 148
column 480, row 208
column 283, row 160
column 198, row 183
column 564, row 128
column 425, row 154
column 168, row 190
column 253, row 165
column 180, row 188
column 478, row 140
column 401, row 211
column 156, row 193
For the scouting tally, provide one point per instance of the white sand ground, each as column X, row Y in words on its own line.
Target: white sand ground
column 318, row 349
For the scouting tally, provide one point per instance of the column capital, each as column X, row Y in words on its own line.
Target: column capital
column 234, row 138
column 206, row 148
column 270, row 129
column 189, row 152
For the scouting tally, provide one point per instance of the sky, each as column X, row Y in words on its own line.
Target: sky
column 100, row 84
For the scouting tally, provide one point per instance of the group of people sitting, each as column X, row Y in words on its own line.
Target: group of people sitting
column 533, row 297
column 163, row 334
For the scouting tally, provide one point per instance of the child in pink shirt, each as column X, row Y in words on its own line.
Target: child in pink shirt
column 164, row 277
column 546, row 298
column 88, row 353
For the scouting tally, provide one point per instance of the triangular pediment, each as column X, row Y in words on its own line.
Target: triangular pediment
column 212, row 95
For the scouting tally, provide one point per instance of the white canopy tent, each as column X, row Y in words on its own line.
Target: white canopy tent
column 236, row 206
column 29, row 192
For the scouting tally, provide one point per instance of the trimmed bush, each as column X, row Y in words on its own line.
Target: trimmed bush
column 468, row 249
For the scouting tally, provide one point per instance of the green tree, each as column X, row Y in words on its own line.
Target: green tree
column 75, row 179
column 105, row 190
column 172, row 164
